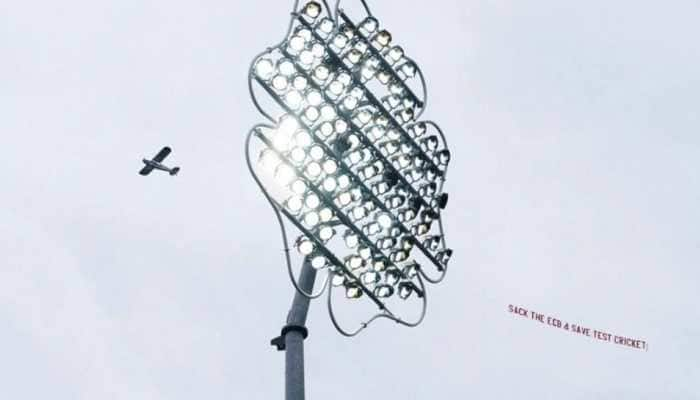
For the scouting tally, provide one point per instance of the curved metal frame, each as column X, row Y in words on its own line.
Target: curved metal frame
column 279, row 210
column 384, row 314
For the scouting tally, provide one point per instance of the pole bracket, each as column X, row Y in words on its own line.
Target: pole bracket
column 279, row 340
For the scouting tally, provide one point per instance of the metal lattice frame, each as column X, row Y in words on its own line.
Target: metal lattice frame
column 344, row 157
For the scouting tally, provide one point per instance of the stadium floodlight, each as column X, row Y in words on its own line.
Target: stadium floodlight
column 346, row 160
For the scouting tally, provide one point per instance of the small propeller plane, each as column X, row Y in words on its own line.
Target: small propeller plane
column 155, row 163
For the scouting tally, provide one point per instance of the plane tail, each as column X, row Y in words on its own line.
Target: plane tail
column 174, row 171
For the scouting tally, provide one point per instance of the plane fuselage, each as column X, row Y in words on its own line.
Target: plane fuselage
column 156, row 165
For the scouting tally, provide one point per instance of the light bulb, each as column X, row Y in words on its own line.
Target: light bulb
column 341, row 126
column 411, row 270
column 396, row 54
column 409, row 69
column 443, row 157
column 294, row 204
column 364, row 117
column 297, row 43
column 280, row 82
column 354, row 56
column 432, row 243
column 379, row 265
column 351, row 240
column 330, row 167
column 369, row 172
column 343, row 181
column 321, row 73
column 326, row 26
column 336, row 87
column 392, row 276
column 312, row 9
column 393, row 101
column 312, row 201
column 384, row 291
column 319, row 262
column 305, row 33
column 383, row 38
column 328, row 112
column 344, row 199
column 293, row 99
column 353, row 291
column 337, row 280
column 430, row 143
column 350, row 102
column 298, row 186
column 368, row 73
column 298, row 155
column 304, row 246
column 313, row 169
column 396, row 88
column 370, row 278
column 326, row 233
column 340, row 41
column 264, row 68
column 311, row 219
column 384, row 77
column 286, row 67
column 384, row 220
column 306, row 57
column 418, row 129
column 325, row 214
column 371, row 229
column 353, row 262
column 369, row 25
column 398, row 256
column 420, row 229
column 314, row 98
column 329, row 184
column 316, row 152
column 300, row 83
column 377, row 132
column 387, row 243
column 365, row 253
column 405, row 290
column 326, row 129
column 354, row 157
column 358, row 213
column 406, row 115
column 318, row 50
column 312, row 113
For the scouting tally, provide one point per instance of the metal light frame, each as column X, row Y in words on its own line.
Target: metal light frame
column 322, row 25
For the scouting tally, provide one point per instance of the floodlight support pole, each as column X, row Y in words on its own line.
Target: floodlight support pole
column 294, row 333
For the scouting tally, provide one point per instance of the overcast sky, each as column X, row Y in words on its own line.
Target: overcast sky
column 574, row 191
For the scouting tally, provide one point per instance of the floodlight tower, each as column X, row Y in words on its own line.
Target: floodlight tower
column 346, row 160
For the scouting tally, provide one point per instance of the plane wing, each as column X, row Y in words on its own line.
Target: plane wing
column 162, row 154
column 146, row 170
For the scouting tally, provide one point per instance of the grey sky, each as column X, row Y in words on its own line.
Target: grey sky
column 574, row 191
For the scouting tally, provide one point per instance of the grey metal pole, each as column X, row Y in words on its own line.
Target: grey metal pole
column 294, row 333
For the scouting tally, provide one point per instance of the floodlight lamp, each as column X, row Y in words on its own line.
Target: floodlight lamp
column 346, row 160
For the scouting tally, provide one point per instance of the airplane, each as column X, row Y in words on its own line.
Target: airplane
column 155, row 163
